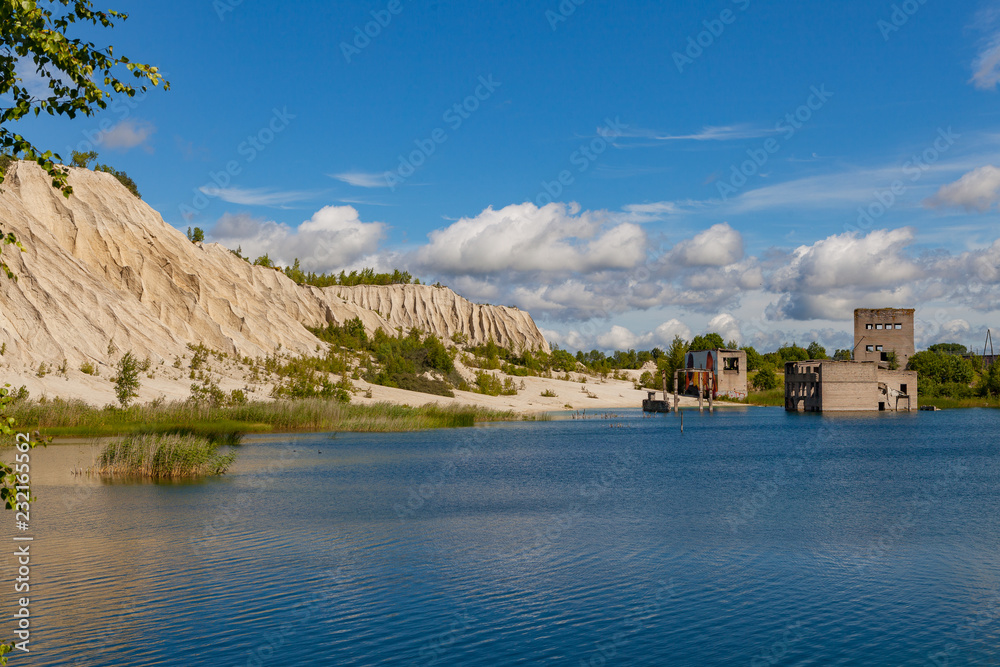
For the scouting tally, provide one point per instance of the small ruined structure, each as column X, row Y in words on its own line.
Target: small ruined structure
column 879, row 331
column 841, row 386
column 727, row 372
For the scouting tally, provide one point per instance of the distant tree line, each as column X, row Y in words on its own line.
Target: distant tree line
column 366, row 276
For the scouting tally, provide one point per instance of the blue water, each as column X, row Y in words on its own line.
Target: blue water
column 756, row 537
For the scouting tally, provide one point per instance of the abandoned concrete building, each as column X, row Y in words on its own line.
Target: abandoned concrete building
column 879, row 331
column 841, row 386
column 727, row 372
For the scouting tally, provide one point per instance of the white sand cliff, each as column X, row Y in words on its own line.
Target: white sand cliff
column 103, row 273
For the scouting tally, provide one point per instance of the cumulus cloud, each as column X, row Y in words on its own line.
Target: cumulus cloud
column 333, row 238
column 620, row 338
column 977, row 190
column 556, row 238
column 127, row 134
column 719, row 245
column 664, row 334
column 726, row 326
column 828, row 279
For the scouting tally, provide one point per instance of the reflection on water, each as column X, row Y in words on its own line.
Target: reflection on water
column 756, row 537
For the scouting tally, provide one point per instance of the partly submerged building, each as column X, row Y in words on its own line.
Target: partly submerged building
column 880, row 331
column 841, row 386
column 727, row 372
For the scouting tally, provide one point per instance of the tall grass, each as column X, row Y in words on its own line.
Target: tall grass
column 160, row 456
column 76, row 418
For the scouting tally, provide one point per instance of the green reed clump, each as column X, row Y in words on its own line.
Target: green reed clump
column 162, row 456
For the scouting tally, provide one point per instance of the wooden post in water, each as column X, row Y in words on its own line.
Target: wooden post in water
column 701, row 392
column 711, row 393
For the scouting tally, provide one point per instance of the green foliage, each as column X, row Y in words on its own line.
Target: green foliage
column 81, row 78
column 76, row 418
column 196, row 236
column 842, row 355
column 42, row 371
column 989, row 383
column 793, row 353
column 264, row 261
column 942, row 374
column 816, row 351
column 893, row 360
column 5, row 162
column 366, row 276
column 199, row 357
column 754, row 358
column 127, row 380
column 712, row 341
column 163, row 456
column 82, row 160
column 491, row 385
column 948, row 348
column 122, row 177
column 765, row 380
column 548, row 393
column 673, row 359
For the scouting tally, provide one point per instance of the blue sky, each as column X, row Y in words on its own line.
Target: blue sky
column 623, row 171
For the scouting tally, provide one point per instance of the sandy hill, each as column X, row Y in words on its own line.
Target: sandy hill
column 103, row 271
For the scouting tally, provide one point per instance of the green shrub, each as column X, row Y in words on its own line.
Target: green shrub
column 127, row 380
column 89, row 368
column 548, row 393
column 122, row 177
column 765, row 380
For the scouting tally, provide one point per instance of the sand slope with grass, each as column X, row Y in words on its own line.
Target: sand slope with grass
column 103, row 274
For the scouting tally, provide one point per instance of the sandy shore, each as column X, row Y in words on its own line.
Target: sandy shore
column 170, row 384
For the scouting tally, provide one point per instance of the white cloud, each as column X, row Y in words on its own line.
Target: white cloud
column 127, row 134
column 830, row 278
column 620, row 338
column 254, row 196
column 334, row 238
column 664, row 334
column 978, row 190
column 720, row 245
column 362, row 179
column 707, row 133
column 556, row 238
column 726, row 326
column 986, row 67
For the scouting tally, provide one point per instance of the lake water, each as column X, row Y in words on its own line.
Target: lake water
column 756, row 537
